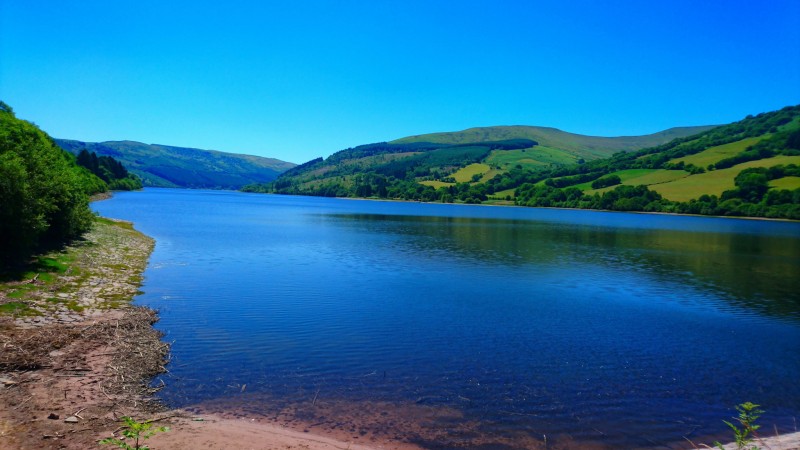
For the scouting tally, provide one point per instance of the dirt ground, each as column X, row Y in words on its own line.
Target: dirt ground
column 75, row 355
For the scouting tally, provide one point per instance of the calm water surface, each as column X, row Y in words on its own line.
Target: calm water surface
column 468, row 325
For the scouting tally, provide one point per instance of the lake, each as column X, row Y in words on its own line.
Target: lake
column 471, row 326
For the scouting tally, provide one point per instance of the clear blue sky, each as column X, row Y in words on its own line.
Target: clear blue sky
column 301, row 79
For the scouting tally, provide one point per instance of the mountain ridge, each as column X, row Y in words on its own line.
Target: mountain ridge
column 600, row 146
column 160, row 165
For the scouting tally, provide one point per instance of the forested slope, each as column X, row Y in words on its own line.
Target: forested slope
column 170, row 166
column 43, row 192
column 746, row 168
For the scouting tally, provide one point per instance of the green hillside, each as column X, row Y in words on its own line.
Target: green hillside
column 716, row 182
column 415, row 166
column 747, row 168
column 168, row 166
column 716, row 154
column 387, row 169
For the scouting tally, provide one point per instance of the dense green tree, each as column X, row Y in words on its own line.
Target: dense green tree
column 793, row 140
column 609, row 180
column 751, row 186
column 42, row 197
column 109, row 170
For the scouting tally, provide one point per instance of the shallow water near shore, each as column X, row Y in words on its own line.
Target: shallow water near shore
column 452, row 325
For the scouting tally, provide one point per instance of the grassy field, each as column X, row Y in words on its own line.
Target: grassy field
column 530, row 157
column 435, row 184
column 491, row 174
column 635, row 177
column 465, row 174
column 718, row 153
column 503, row 194
column 715, row 182
column 788, row 183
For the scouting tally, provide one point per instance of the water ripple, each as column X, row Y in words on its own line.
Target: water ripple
column 515, row 321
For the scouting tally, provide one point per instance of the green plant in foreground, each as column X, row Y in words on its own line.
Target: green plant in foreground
column 136, row 431
column 748, row 414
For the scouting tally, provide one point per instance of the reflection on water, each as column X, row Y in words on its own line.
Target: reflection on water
column 758, row 271
column 465, row 326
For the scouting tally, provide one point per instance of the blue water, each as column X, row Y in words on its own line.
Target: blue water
column 627, row 330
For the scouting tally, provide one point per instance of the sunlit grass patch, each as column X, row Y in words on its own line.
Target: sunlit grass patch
column 58, row 264
column 714, row 182
column 43, row 269
column 636, row 177
column 17, row 293
column 435, row 184
column 12, row 307
column 788, row 183
column 715, row 154
column 17, row 309
column 503, row 194
column 465, row 174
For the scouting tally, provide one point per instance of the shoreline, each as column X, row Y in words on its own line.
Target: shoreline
column 191, row 431
column 768, row 219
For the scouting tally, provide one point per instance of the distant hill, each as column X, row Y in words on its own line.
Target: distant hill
column 443, row 159
column 169, row 166
column 577, row 145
